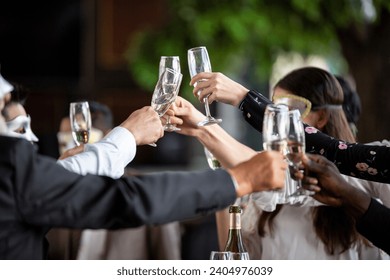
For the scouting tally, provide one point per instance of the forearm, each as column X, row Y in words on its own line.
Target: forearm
column 375, row 225
column 355, row 200
column 107, row 157
column 253, row 108
column 223, row 146
column 362, row 161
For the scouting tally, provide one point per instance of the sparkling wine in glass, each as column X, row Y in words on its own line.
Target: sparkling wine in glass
column 171, row 62
column 80, row 120
column 199, row 61
column 275, row 125
column 275, row 128
column 212, row 160
column 295, row 148
column 165, row 92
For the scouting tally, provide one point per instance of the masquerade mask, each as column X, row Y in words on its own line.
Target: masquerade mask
column 5, row 87
column 301, row 104
column 294, row 102
column 20, row 127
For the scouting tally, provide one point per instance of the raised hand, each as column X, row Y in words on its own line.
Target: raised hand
column 264, row 171
column 189, row 116
column 71, row 152
column 329, row 185
column 219, row 88
column 145, row 125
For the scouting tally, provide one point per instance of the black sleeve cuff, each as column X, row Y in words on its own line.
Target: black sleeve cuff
column 253, row 108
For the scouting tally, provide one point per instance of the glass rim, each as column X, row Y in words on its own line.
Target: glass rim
column 197, row 48
column 170, row 56
column 79, row 102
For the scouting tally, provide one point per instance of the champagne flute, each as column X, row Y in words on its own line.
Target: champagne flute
column 275, row 135
column 220, row 255
column 198, row 61
column 275, row 128
column 212, row 160
column 239, row 256
column 165, row 92
column 295, row 148
column 171, row 62
column 80, row 121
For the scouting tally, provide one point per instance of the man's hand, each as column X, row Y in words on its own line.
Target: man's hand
column 264, row 171
column 145, row 125
column 330, row 187
column 219, row 88
column 71, row 152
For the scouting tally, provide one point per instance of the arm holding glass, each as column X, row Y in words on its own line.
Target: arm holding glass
column 351, row 158
column 213, row 137
column 218, row 87
column 110, row 155
column 372, row 218
column 226, row 149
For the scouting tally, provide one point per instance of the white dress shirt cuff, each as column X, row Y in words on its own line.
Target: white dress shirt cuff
column 108, row 157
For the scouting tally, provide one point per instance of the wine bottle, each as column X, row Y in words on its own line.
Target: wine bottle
column 234, row 243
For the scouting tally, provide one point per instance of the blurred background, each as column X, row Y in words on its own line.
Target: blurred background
column 108, row 51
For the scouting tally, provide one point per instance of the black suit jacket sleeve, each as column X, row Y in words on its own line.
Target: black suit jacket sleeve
column 357, row 160
column 375, row 225
column 45, row 194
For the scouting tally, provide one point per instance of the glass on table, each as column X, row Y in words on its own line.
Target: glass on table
column 220, row 255
column 239, row 256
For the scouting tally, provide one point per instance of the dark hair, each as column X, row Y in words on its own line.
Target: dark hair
column 19, row 93
column 18, row 96
column 321, row 88
column 334, row 226
column 351, row 105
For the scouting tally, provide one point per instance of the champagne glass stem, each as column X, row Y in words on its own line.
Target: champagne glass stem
column 206, row 106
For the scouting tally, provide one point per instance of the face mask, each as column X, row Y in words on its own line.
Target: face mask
column 20, row 127
column 5, row 87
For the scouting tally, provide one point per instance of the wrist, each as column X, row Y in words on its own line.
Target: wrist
column 356, row 201
column 240, row 184
column 240, row 96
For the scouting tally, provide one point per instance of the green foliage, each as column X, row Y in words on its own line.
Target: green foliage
column 244, row 37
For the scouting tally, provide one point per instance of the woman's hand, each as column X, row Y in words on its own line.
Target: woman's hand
column 219, row 88
column 186, row 116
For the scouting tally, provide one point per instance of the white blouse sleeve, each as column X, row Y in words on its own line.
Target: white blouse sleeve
column 108, row 157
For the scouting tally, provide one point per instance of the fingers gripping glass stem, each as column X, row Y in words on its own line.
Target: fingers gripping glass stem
column 199, row 61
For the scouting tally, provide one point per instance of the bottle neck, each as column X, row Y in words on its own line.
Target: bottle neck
column 235, row 242
column 235, row 221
